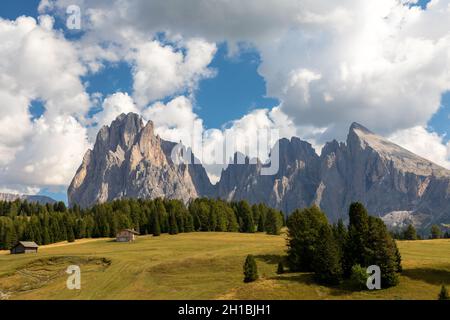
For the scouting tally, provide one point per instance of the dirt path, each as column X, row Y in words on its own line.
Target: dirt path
column 61, row 244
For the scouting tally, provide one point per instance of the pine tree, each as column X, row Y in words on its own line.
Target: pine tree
column 410, row 233
column 356, row 247
column 156, row 228
column 173, row 226
column 273, row 222
column 327, row 266
column 189, row 224
column 280, row 269
column 245, row 212
column 443, row 295
column 382, row 251
column 70, row 234
column 435, row 232
column 250, row 269
column 303, row 235
column 340, row 235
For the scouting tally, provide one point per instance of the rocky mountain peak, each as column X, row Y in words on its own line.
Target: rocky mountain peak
column 129, row 160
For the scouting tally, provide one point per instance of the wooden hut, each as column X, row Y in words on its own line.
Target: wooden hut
column 126, row 235
column 25, row 247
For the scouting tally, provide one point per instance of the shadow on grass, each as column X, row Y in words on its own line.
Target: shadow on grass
column 271, row 258
column 306, row 278
column 429, row 275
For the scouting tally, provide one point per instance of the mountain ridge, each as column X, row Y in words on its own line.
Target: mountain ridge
column 129, row 160
column 30, row 198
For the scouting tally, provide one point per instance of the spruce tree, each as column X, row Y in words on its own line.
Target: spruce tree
column 356, row 247
column 280, row 268
column 410, row 233
column 250, row 269
column 273, row 222
column 245, row 212
column 435, row 232
column 156, row 228
column 70, row 234
column 303, row 235
column 443, row 295
column 189, row 223
column 327, row 265
column 382, row 251
column 173, row 226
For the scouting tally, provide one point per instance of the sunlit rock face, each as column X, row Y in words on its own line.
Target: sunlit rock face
column 129, row 161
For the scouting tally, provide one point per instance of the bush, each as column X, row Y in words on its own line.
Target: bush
column 443, row 295
column 250, row 269
column 358, row 277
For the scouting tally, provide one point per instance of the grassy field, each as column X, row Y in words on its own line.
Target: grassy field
column 199, row 266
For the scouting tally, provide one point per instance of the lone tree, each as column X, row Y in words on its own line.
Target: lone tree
column 250, row 269
column 280, row 269
column 443, row 295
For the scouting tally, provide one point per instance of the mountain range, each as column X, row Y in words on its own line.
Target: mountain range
column 129, row 160
column 30, row 198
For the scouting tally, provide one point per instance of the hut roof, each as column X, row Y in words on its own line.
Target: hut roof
column 27, row 244
column 131, row 231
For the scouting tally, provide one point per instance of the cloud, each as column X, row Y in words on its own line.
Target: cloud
column 176, row 121
column 37, row 63
column 113, row 106
column 161, row 70
column 50, row 155
column 379, row 62
column 329, row 63
column 423, row 143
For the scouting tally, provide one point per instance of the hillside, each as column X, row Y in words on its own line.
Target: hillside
column 200, row 266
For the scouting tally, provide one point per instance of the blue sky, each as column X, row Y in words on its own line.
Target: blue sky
column 236, row 89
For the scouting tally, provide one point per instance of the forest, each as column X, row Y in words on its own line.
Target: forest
column 51, row 223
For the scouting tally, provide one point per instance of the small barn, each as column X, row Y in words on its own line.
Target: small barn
column 126, row 235
column 25, row 247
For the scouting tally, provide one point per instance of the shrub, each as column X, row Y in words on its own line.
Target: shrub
column 250, row 269
column 358, row 277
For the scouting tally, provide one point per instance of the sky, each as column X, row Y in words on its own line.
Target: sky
column 305, row 68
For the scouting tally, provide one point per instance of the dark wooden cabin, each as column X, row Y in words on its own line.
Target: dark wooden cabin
column 24, row 247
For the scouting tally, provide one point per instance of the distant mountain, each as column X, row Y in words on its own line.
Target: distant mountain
column 128, row 160
column 34, row 198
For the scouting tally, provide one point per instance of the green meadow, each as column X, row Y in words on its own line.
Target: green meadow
column 200, row 266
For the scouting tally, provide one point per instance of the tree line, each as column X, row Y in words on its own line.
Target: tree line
column 50, row 223
column 410, row 233
column 336, row 253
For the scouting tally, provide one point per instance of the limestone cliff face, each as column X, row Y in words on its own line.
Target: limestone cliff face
column 388, row 179
column 391, row 181
column 130, row 161
column 292, row 187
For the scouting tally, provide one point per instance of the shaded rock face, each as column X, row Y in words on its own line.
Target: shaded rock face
column 386, row 178
column 383, row 176
column 129, row 161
